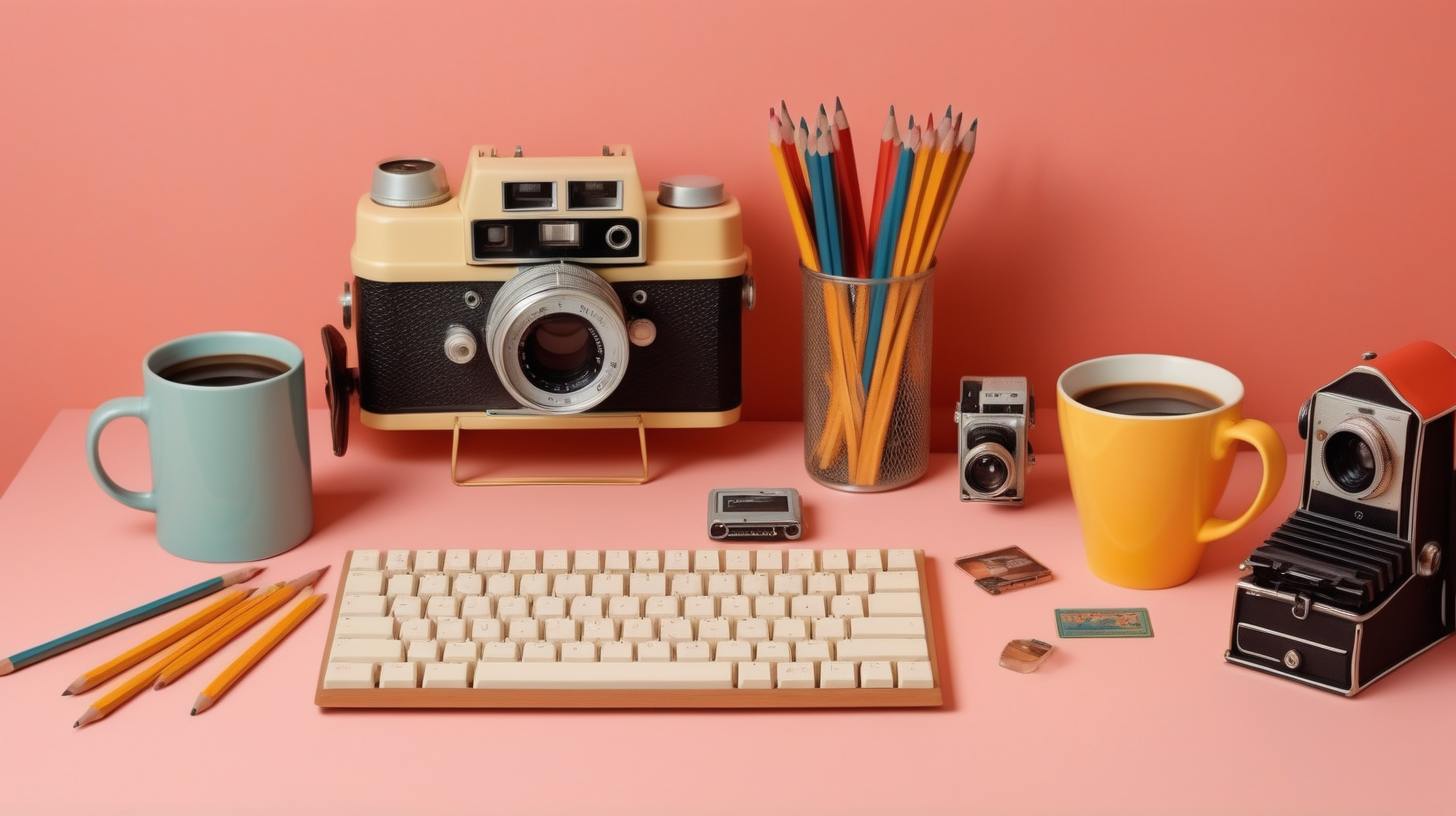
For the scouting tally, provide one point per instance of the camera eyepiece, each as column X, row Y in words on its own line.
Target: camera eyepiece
column 557, row 338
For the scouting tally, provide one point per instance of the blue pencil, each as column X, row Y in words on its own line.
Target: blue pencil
column 118, row 622
column 885, row 256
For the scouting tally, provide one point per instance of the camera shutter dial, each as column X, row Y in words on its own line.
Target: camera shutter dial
column 409, row 181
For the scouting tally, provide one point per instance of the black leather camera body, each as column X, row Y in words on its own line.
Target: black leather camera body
column 1359, row 579
column 550, row 288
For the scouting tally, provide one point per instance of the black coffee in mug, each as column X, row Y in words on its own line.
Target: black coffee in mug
column 1148, row 399
column 222, row 370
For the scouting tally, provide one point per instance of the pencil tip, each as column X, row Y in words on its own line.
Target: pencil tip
column 194, row 712
column 66, row 693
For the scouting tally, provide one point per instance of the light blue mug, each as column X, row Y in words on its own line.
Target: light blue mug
column 227, row 427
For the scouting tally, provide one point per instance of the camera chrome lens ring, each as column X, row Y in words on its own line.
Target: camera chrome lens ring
column 987, row 469
column 1357, row 458
column 557, row 338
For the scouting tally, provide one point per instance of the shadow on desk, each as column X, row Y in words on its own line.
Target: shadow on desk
column 498, row 454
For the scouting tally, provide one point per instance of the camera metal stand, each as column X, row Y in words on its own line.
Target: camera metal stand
column 499, row 420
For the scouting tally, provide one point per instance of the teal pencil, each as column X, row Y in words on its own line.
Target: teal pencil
column 816, row 195
column 831, row 217
column 885, row 252
column 116, row 623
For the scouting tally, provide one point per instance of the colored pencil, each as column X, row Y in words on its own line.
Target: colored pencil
column 235, row 626
column 846, row 182
column 919, row 171
column 145, row 677
column 303, row 606
column 157, row 643
column 129, row 618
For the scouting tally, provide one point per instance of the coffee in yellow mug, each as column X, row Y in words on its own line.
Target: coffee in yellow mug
column 1150, row 441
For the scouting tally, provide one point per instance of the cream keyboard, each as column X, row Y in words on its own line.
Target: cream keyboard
column 715, row 628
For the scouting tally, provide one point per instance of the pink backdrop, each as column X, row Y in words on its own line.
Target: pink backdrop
column 1267, row 185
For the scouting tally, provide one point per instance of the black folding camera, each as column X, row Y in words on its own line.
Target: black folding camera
column 1359, row 579
column 549, row 289
column 994, row 415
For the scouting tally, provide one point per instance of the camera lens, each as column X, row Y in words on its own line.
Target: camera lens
column 1356, row 458
column 988, row 464
column 560, row 353
column 557, row 338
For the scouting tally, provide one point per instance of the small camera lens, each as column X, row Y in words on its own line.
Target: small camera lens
column 1350, row 462
column 1357, row 459
column 988, row 466
column 987, row 473
column 561, row 353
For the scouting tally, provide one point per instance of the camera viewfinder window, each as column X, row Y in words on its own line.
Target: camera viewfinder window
column 594, row 195
column 528, row 195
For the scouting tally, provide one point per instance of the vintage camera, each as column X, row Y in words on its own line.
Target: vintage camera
column 549, row 288
column 1358, row 580
column 994, row 415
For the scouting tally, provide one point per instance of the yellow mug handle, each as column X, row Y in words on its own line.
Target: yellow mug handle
column 1266, row 441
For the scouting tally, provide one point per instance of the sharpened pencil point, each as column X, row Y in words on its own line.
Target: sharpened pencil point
column 66, row 693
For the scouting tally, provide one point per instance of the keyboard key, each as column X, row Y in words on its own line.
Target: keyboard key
column 887, row 627
column 399, row 675
column 366, row 650
column 882, row 604
column 350, row 675
column 876, row 674
column 836, row 674
column 651, row 675
column 365, row 627
column 794, row 675
column 447, row 675
column 914, row 674
column 855, row 649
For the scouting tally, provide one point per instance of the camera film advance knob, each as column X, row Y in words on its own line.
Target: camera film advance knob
column 409, row 181
column 690, row 192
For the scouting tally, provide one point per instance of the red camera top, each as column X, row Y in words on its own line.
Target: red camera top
column 1423, row 374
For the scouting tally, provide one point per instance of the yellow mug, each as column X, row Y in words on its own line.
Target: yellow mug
column 1149, row 442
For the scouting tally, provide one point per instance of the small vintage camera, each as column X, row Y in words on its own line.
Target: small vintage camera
column 994, row 415
column 551, row 288
column 1358, row 580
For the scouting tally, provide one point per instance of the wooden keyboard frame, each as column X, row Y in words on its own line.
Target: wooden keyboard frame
column 638, row 698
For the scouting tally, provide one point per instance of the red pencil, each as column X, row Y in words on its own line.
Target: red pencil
column 884, row 179
column 852, row 207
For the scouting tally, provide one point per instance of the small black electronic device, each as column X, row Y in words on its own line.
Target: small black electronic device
column 1358, row 580
column 755, row 514
column 994, row 415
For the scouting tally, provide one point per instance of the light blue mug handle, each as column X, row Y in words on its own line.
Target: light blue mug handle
column 100, row 418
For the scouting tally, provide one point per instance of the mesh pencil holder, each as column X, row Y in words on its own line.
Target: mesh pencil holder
column 866, row 424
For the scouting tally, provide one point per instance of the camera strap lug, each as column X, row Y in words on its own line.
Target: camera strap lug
column 525, row 421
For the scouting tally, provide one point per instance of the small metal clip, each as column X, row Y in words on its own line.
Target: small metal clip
column 1301, row 606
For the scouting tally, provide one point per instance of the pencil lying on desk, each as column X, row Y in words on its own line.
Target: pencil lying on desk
column 118, row 622
column 302, row 607
column 234, row 626
column 158, row 642
column 144, row 678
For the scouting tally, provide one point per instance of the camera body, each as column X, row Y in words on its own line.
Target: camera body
column 1359, row 578
column 994, row 415
column 552, row 287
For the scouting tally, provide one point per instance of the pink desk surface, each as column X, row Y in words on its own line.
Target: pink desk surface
column 1157, row 726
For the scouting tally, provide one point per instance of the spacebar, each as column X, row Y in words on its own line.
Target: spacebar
column 706, row 675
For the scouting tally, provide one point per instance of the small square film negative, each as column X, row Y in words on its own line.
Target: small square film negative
column 1104, row 623
column 755, row 514
column 1003, row 570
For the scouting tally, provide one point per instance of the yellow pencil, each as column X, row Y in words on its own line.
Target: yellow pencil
column 235, row 625
column 157, row 643
column 303, row 606
column 145, row 677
